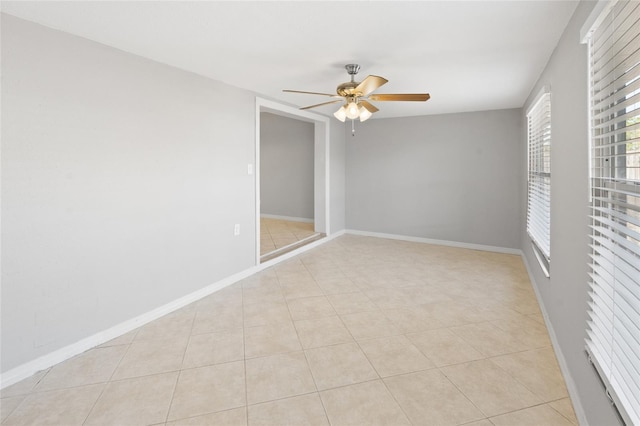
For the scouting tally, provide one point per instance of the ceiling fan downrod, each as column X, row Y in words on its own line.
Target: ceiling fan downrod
column 352, row 70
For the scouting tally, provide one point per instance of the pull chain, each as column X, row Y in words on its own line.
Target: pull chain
column 353, row 127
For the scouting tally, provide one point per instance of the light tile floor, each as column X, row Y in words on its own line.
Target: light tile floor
column 277, row 233
column 359, row 331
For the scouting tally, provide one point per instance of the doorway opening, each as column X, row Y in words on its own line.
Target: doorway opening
column 290, row 222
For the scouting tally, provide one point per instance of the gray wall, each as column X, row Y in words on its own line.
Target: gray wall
column 286, row 166
column 454, row 177
column 564, row 295
column 122, row 180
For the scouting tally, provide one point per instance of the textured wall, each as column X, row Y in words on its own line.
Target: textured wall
column 564, row 294
column 122, row 180
column 453, row 177
column 286, row 166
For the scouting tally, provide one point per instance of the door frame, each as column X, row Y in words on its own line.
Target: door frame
column 321, row 163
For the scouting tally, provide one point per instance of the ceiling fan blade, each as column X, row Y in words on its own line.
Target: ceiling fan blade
column 369, row 84
column 312, row 93
column 418, row 97
column 324, row 103
column 369, row 107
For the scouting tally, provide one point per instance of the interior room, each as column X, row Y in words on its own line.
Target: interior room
column 286, row 185
column 447, row 194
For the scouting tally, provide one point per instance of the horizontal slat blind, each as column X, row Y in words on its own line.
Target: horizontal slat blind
column 539, row 176
column 613, row 329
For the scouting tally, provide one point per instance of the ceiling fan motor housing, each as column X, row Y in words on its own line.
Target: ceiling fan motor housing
column 347, row 89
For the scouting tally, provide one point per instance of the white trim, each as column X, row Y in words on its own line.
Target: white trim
column 300, row 250
column 28, row 369
column 538, row 98
column 289, row 218
column 256, row 181
column 541, row 259
column 327, row 180
column 562, row 362
column 291, row 112
column 288, row 247
column 481, row 247
column 25, row 370
column 597, row 15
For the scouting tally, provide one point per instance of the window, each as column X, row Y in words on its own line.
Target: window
column 539, row 178
column 613, row 329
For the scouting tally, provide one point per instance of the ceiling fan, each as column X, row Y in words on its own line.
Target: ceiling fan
column 356, row 96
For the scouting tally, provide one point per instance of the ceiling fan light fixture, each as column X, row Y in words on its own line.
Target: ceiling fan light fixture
column 352, row 110
column 365, row 114
column 357, row 95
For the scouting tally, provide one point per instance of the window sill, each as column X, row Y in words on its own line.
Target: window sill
column 542, row 260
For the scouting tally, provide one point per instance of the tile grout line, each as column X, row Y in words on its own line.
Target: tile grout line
column 461, row 392
column 109, row 380
column 368, row 360
column 271, row 238
column 529, row 407
column 560, row 399
column 184, row 354
column 375, row 369
column 322, row 260
column 304, row 351
column 25, row 395
column 244, row 354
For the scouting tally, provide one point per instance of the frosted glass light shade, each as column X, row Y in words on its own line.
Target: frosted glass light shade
column 341, row 114
column 365, row 114
column 352, row 111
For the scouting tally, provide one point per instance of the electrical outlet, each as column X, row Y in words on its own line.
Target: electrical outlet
column 236, row 229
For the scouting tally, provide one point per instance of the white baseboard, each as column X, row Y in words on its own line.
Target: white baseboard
column 289, row 218
column 30, row 368
column 436, row 242
column 562, row 362
column 26, row 370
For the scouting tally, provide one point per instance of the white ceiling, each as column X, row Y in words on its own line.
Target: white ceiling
column 469, row 55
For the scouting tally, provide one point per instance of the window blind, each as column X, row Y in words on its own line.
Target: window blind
column 539, row 174
column 613, row 328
